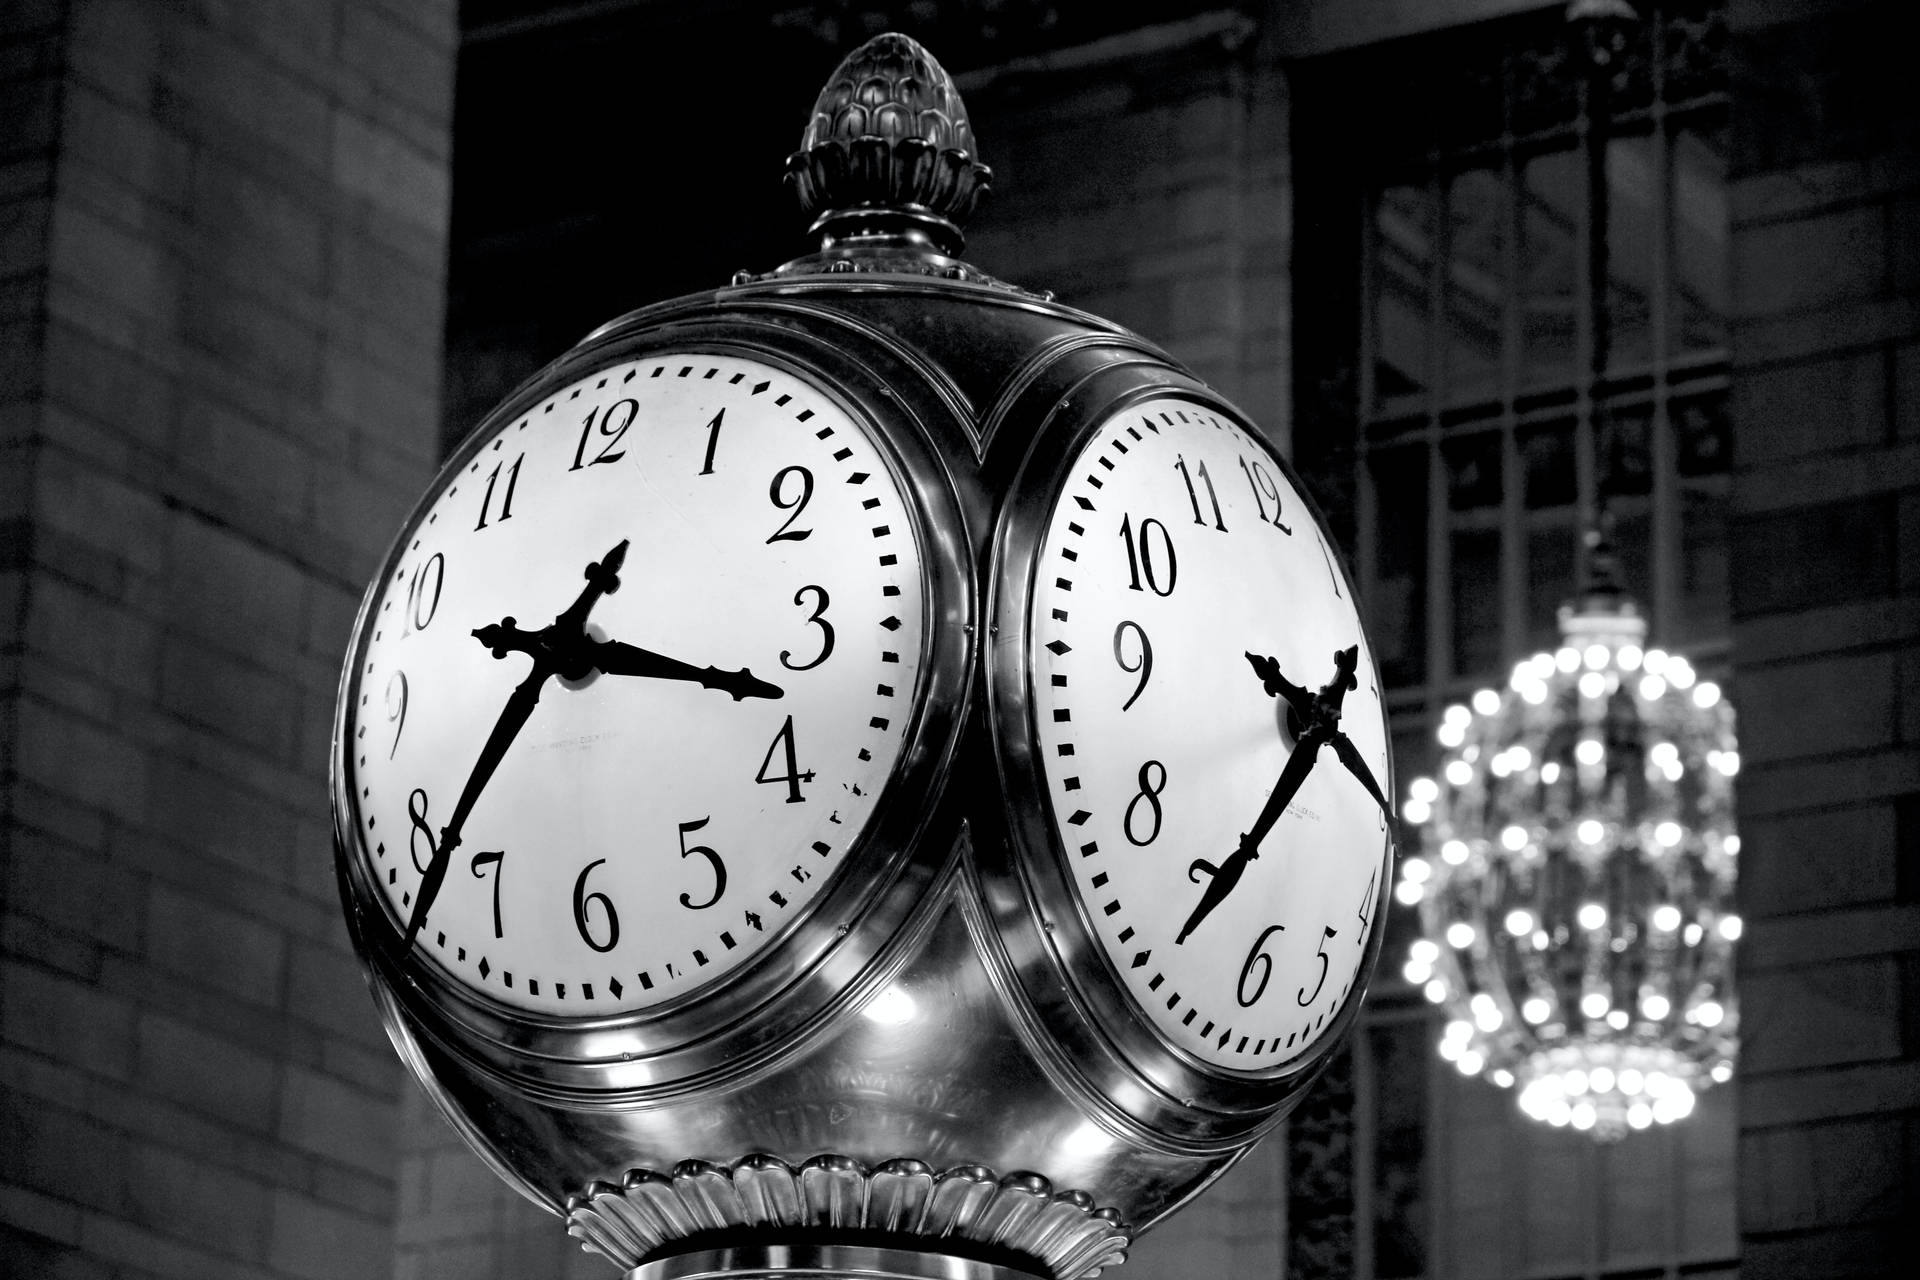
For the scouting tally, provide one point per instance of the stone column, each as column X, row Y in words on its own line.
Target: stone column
column 222, row 243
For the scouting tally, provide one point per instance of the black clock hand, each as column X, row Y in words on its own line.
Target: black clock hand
column 1350, row 757
column 1225, row 876
column 1319, row 717
column 617, row 659
column 549, row 648
column 519, row 707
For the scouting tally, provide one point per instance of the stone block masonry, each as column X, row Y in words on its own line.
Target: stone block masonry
column 223, row 235
column 1826, row 311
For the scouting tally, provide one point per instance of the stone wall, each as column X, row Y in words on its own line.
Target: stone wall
column 1826, row 595
column 223, row 244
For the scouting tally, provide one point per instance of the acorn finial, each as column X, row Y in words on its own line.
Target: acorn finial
column 889, row 150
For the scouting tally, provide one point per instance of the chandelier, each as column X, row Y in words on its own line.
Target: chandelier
column 1577, row 915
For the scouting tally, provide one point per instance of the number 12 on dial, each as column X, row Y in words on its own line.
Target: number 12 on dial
column 1184, row 600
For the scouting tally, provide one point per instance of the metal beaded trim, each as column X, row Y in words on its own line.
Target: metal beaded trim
column 898, row 1200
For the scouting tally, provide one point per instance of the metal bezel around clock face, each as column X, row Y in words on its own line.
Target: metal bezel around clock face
column 1058, row 861
column 806, row 965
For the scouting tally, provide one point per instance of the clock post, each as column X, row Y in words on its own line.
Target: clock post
column 824, row 779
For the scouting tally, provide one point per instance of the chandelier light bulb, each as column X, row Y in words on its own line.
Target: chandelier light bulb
column 1423, row 950
column 1407, row 893
column 1416, row 812
column 1593, row 792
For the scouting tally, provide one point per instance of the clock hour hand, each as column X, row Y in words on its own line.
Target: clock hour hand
column 618, row 659
column 1278, row 686
column 1350, row 757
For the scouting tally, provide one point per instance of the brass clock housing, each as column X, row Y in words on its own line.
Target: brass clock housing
column 934, row 1059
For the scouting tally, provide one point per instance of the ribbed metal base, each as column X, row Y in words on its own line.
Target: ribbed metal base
column 851, row 1261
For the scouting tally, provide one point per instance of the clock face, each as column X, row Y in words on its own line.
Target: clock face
column 634, row 682
column 1176, row 548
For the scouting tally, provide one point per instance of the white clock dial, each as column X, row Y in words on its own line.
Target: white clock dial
column 1176, row 548
column 634, row 683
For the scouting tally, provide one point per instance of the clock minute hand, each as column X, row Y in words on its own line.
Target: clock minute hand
column 513, row 716
column 553, row 648
column 616, row 658
column 1224, row 877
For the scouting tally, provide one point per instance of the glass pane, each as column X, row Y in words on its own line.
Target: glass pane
column 1473, row 470
column 1549, row 582
column 1707, row 1180
column 1476, row 284
column 1704, row 593
column 1633, row 222
column 1399, row 603
column 1632, row 540
column 1559, row 1209
column 1476, row 601
column 1637, row 1186
column 1402, row 273
column 1699, row 242
column 1700, row 427
column 1550, row 217
column 1546, row 451
column 1629, row 428
column 1400, row 1053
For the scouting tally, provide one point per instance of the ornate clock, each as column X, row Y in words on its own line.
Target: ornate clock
column 743, row 899
column 637, row 675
